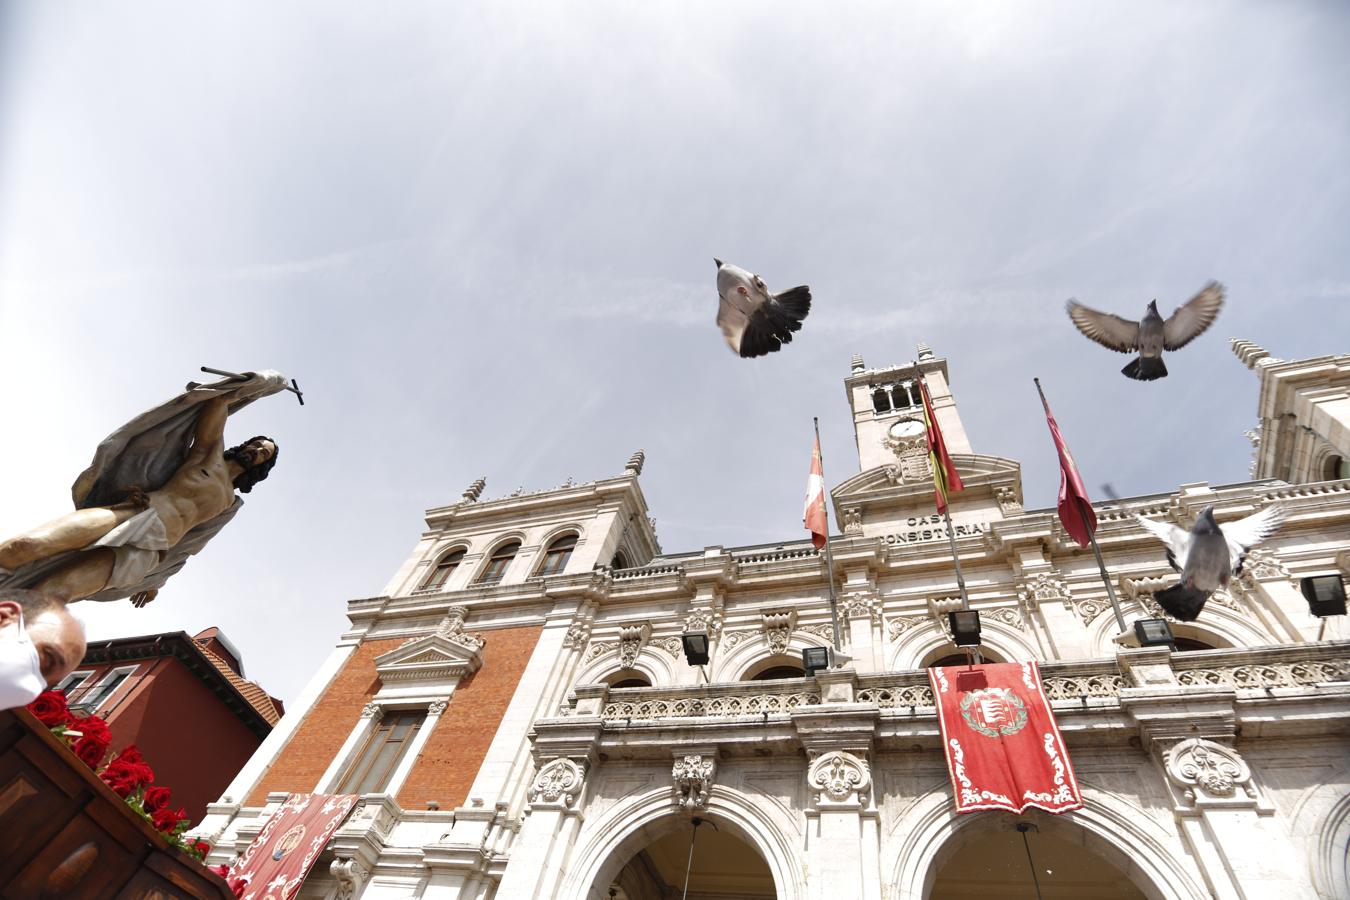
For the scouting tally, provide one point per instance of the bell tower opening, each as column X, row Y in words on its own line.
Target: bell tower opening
column 887, row 406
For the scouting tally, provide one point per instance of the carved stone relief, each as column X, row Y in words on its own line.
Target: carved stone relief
column 1206, row 771
column 558, row 783
column 839, row 777
column 693, row 776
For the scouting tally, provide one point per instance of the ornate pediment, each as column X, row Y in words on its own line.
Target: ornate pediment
column 435, row 657
column 896, row 482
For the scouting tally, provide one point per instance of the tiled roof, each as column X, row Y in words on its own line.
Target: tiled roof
column 255, row 695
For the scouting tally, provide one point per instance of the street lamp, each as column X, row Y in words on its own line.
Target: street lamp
column 1154, row 633
column 965, row 625
column 695, row 645
column 1325, row 595
column 815, row 659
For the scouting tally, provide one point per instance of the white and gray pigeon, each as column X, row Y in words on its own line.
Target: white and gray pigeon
column 754, row 321
column 1151, row 336
column 1208, row 556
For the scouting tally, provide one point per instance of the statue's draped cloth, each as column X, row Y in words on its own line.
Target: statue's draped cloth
column 146, row 452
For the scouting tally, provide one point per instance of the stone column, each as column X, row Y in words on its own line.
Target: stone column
column 1059, row 624
column 843, row 843
column 1220, row 812
column 862, row 626
column 556, row 800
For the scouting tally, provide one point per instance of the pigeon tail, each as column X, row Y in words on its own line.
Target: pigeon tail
column 1181, row 602
column 1145, row 368
column 773, row 323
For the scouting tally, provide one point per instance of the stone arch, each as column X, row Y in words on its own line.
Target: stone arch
column 607, row 842
column 917, row 644
column 933, row 832
column 654, row 665
column 1323, row 813
column 733, row 664
column 1217, row 625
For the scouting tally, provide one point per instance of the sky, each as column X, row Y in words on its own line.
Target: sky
column 481, row 238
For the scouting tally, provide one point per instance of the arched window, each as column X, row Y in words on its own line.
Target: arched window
column 953, row 659
column 444, row 568
column 773, row 672
column 903, row 396
column 1185, row 645
column 557, row 555
column 881, row 401
column 626, row 678
column 620, row 561
column 497, row 563
column 1336, row 468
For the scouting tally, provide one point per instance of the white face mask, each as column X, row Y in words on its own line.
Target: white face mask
column 20, row 668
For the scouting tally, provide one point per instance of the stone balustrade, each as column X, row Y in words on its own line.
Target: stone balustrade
column 1251, row 671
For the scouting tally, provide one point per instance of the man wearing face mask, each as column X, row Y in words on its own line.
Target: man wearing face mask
column 40, row 644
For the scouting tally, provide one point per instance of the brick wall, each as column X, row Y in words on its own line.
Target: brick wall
column 321, row 735
column 452, row 755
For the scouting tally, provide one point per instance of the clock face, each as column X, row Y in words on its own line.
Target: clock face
column 906, row 428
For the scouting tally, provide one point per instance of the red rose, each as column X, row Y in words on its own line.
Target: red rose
column 155, row 799
column 238, row 885
column 93, row 744
column 127, row 773
column 167, row 819
column 51, row 709
column 201, row 848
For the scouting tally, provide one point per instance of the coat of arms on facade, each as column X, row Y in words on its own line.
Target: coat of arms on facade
column 994, row 711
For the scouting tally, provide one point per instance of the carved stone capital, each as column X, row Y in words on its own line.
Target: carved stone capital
column 707, row 620
column 372, row 711
column 578, row 633
column 1044, row 587
column 778, row 627
column 861, row 603
column 839, row 778
column 436, row 707
column 693, row 776
column 1262, row 564
column 558, row 784
column 632, row 638
column 1208, row 773
column 350, row 876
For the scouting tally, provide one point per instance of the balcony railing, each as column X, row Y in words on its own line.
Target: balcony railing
column 1250, row 671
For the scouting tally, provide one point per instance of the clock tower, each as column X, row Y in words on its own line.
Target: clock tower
column 888, row 414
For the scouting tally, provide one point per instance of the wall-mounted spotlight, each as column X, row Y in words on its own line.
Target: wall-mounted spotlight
column 1154, row 633
column 1325, row 595
column 695, row 645
column 815, row 659
column 965, row 625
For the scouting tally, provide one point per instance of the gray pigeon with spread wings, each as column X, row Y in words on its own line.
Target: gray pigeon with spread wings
column 753, row 321
column 1153, row 334
column 1208, row 556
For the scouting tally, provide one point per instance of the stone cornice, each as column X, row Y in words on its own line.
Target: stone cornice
column 624, row 490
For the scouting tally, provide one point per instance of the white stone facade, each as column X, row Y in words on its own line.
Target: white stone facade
column 1221, row 773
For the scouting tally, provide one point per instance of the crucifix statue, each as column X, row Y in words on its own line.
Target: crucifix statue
column 158, row 490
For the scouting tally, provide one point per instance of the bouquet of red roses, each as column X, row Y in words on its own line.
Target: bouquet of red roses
column 130, row 776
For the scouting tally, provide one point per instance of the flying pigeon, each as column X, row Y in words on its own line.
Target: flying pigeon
column 1153, row 335
column 1208, row 556
column 754, row 321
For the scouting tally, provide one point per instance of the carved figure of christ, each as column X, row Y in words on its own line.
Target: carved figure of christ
column 200, row 489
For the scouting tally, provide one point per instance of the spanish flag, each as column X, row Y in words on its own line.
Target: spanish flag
column 945, row 478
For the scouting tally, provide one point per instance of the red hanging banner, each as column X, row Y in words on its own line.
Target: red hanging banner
column 276, row 863
column 1003, row 748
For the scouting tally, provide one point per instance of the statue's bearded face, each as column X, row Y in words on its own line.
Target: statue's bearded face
column 256, row 453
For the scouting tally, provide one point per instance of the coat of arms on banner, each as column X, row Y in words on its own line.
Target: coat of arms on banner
column 994, row 711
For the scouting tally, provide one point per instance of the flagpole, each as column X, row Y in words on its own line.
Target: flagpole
column 946, row 511
column 829, row 557
column 1092, row 532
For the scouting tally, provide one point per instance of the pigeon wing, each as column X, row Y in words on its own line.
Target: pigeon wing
column 1246, row 533
column 1110, row 331
column 732, row 322
column 1177, row 540
column 1193, row 317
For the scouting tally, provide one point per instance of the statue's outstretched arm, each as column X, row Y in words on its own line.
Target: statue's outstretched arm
column 209, row 435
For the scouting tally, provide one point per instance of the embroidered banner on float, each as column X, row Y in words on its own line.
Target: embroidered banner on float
column 1003, row 748
column 276, row 863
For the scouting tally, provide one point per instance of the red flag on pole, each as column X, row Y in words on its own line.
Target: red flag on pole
column 945, row 479
column 1075, row 509
column 813, row 514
